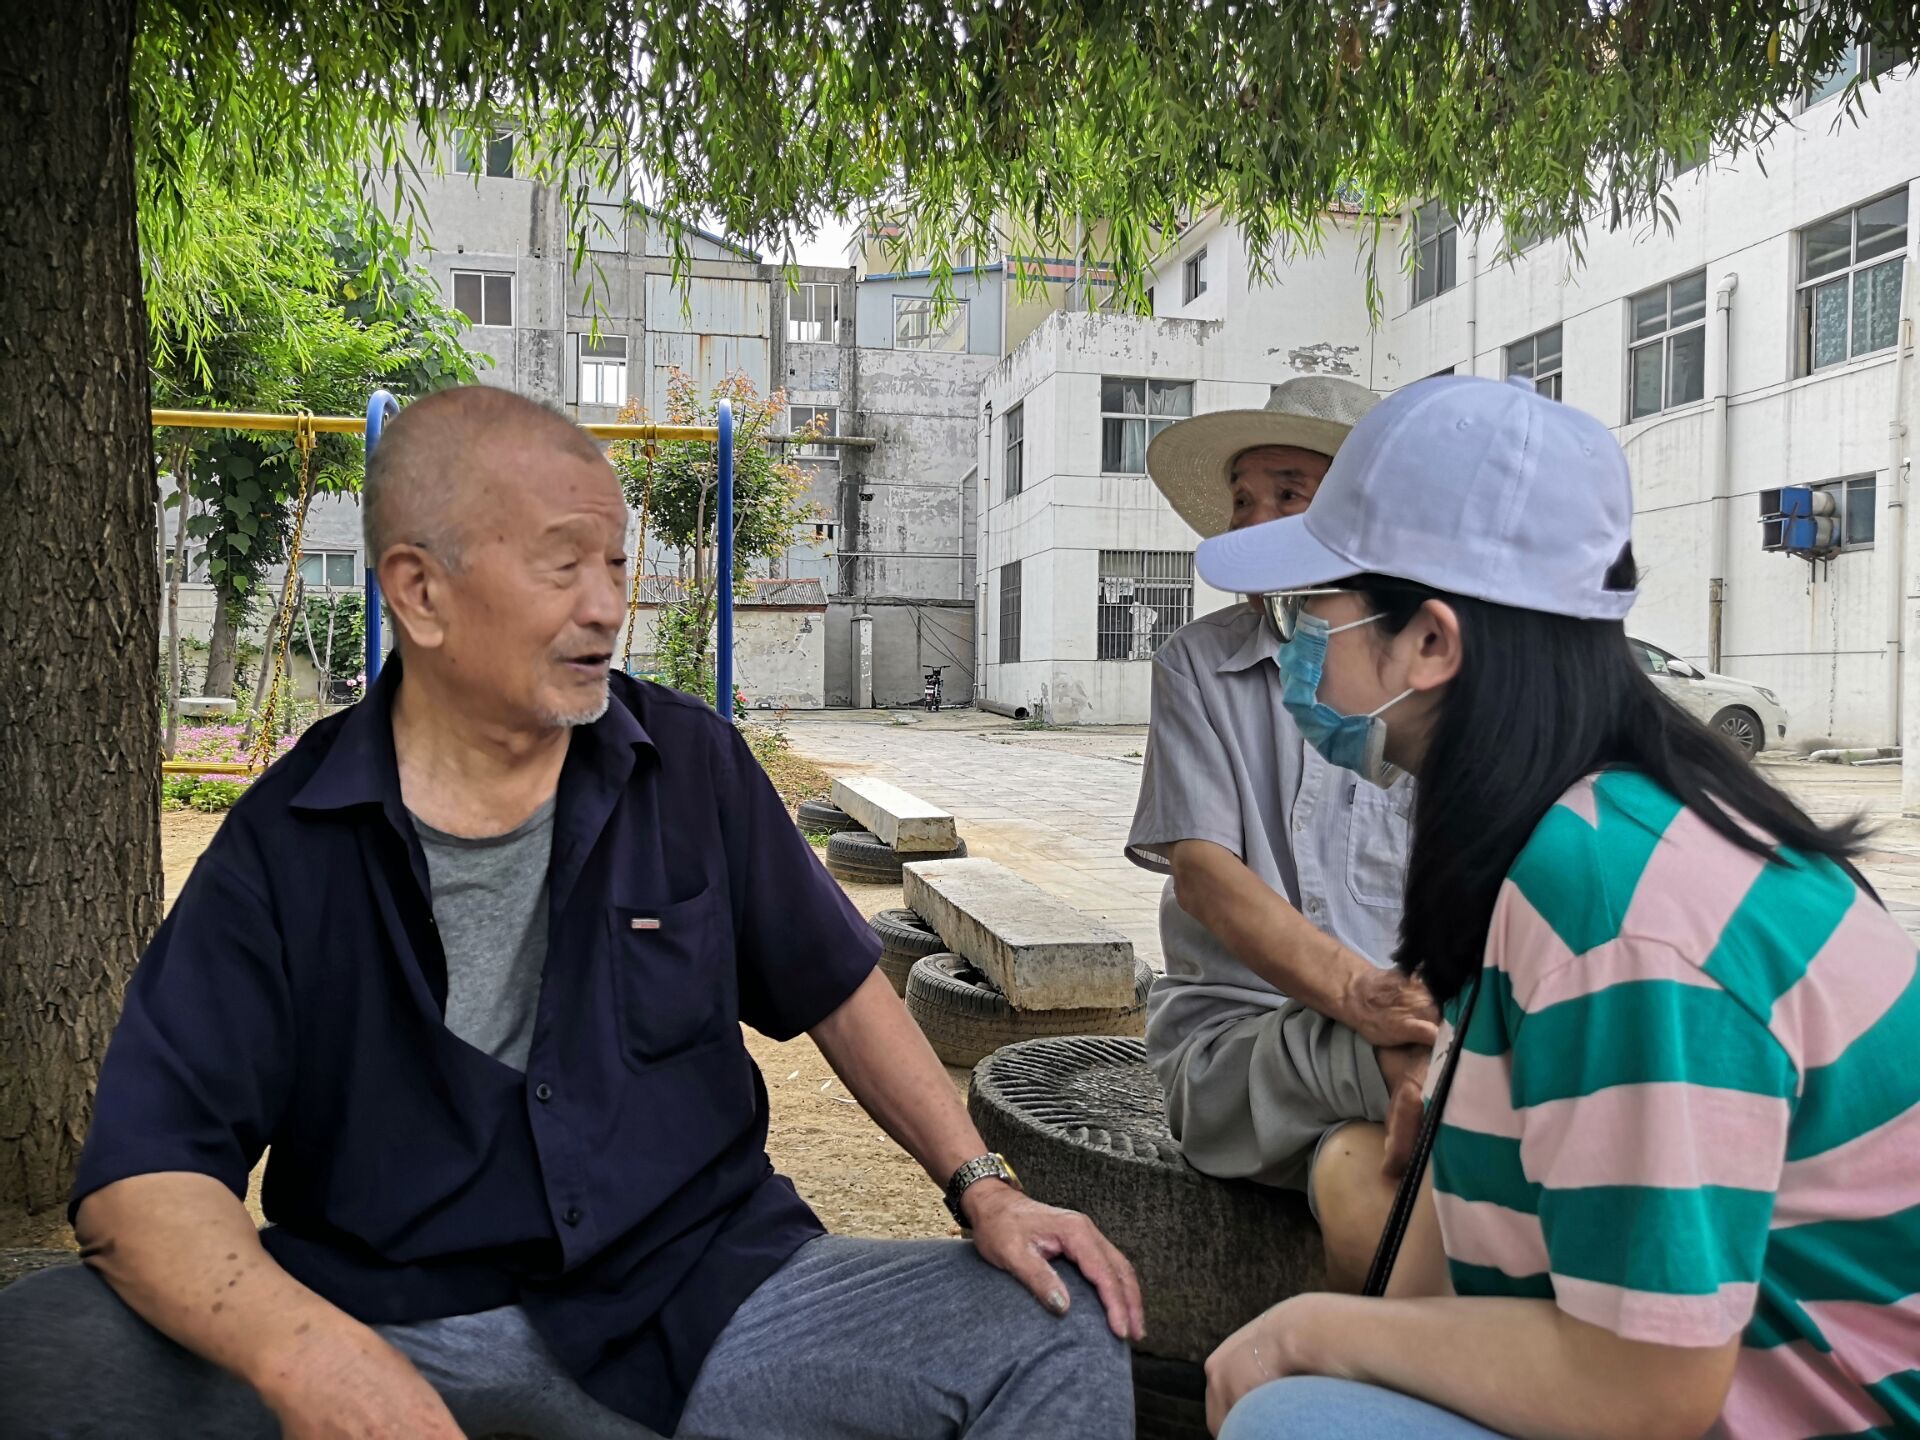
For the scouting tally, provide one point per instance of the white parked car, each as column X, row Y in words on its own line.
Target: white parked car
column 1748, row 714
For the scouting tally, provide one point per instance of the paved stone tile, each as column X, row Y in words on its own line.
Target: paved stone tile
column 1056, row 804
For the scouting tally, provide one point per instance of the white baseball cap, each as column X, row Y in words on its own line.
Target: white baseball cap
column 1467, row 485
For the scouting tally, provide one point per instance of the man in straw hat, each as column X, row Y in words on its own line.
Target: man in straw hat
column 1280, row 1029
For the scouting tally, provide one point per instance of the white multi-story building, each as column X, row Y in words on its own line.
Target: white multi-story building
column 1760, row 342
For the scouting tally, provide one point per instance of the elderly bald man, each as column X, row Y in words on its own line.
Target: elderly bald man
column 470, row 964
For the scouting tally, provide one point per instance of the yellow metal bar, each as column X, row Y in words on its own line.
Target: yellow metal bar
column 241, row 420
column 357, row 425
column 208, row 767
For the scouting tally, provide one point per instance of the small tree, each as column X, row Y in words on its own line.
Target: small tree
column 676, row 491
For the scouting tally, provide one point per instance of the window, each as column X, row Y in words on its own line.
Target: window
column 1870, row 60
column 800, row 417
column 1016, row 423
column 1850, row 283
column 492, row 157
column 603, row 370
column 1667, row 364
column 485, row 297
column 1193, row 277
column 326, row 569
column 1132, row 412
column 1689, row 158
column 1435, row 237
column 917, row 327
column 607, row 226
column 1010, row 614
column 1538, row 358
column 1145, row 595
column 1854, row 502
column 813, row 314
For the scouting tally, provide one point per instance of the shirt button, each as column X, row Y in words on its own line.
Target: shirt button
column 572, row 1217
column 543, row 1092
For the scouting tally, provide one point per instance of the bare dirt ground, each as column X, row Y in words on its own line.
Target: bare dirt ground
column 856, row 1179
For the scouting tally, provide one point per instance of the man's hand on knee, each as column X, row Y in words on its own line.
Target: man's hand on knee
column 1020, row 1236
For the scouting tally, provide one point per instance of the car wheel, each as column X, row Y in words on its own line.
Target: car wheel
column 1743, row 727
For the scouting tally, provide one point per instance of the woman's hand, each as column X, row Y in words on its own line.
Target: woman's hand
column 1269, row 1347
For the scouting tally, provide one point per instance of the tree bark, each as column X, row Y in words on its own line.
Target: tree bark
column 223, row 643
column 183, row 458
column 79, row 553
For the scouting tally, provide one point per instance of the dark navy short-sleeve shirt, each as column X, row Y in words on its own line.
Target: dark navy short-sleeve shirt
column 620, row 1189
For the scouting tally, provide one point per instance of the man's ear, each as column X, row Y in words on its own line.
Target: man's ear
column 1434, row 635
column 414, row 584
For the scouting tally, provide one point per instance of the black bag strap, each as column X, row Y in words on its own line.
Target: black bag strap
column 1408, row 1194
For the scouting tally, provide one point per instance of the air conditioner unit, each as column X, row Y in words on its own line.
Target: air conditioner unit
column 1799, row 520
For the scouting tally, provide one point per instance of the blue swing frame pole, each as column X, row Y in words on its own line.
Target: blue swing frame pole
column 381, row 407
column 723, row 660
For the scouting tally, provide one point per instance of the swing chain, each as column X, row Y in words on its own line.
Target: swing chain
column 303, row 439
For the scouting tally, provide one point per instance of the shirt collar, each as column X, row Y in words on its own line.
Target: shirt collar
column 1260, row 644
column 360, row 768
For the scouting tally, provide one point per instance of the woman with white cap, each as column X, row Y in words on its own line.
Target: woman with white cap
column 1674, row 1109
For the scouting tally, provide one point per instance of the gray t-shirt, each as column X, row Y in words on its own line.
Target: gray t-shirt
column 490, row 907
column 1226, row 763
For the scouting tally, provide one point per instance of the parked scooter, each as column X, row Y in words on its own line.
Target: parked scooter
column 930, row 697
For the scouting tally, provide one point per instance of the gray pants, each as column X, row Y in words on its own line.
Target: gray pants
column 1254, row 1099
column 866, row 1339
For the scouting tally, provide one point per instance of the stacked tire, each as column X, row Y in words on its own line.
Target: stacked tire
column 905, row 940
column 861, row 858
column 823, row 815
column 966, row 1018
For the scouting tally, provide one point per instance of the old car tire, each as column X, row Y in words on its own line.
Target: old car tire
column 1743, row 728
column 904, row 940
column 1082, row 1121
column 860, row 858
column 966, row 1019
column 823, row 815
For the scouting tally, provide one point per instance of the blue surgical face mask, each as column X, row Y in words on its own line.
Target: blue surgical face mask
column 1353, row 742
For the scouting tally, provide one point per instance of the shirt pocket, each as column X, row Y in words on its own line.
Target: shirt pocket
column 673, row 976
column 1379, row 832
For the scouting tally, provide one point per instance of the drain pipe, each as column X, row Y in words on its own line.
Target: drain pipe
column 1898, row 466
column 1719, row 539
column 1473, row 304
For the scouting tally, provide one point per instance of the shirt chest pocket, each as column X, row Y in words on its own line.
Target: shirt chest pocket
column 673, row 977
column 1379, row 833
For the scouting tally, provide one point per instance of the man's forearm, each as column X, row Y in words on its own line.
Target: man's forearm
column 1262, row 931
column 185, row 1256
column 1537, row 1372
column 886, row 1064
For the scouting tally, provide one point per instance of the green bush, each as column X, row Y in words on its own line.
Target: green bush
column 176, row 791
column 213, row 796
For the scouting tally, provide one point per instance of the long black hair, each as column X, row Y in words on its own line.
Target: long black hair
column 1541, row 701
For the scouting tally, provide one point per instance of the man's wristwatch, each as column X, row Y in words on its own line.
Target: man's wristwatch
column 987, row 1167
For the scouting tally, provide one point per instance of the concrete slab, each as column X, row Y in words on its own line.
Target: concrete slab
column 903, row 822
column 1042, row 952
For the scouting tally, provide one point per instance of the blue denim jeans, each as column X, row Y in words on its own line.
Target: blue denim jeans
column 1312, row 1407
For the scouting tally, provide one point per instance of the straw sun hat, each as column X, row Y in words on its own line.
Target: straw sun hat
column 1192, row 461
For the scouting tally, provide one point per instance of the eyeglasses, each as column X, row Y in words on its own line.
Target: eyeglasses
column 1284, row 608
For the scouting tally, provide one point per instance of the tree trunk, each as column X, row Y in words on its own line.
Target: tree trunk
column 222, row 644
column 80, row 669
column 183, row 460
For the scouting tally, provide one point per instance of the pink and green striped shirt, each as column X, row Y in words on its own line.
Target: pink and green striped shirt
column 1688, row 1108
